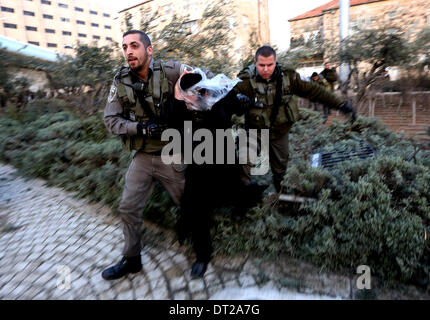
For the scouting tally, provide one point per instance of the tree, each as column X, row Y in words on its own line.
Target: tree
column 379, row 49
column 209, row 47
column 85, row 78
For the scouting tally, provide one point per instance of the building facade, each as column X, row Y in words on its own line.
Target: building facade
column 57, row 24
column 246, row 17
column 406, row 16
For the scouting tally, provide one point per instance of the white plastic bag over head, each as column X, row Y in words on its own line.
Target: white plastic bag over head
column 204, row 94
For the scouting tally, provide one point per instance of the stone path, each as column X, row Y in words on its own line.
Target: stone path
column 53, row 246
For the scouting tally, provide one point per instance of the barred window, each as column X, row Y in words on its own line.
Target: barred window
column 6, row 9
column 10, row 25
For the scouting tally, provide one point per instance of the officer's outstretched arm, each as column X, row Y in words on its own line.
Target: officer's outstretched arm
column 314, row 92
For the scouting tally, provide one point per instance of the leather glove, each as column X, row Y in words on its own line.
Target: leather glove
column 245, row 102
column 347, row 108
column 141, row 129
column 154, row 129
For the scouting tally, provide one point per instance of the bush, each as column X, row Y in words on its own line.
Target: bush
column 373, row 211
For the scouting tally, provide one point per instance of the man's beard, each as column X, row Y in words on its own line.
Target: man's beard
column 141, row 66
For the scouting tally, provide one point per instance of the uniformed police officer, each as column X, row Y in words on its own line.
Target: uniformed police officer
column 319, row 79
column 134, row 111
column 271, row 88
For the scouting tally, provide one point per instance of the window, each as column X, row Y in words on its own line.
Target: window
column 67, row 33
column 62, row 5
column 48, row 16
column 107, row 15
column 45, row 2
column 28, row 13
column 34, row 43
column 52, row 45
column 82, row 35
column 93, row 12
column 30, row 28
column 80, row 22
column 65, row 19
column 9, row 25
column 109, row 38
column 94, row 24
column 79, row 9
column 108, row 27
column 49, row 30
column 68, row 47
column 96, row 37
column 6, row 9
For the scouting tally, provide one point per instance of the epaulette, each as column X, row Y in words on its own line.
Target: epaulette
column 245, row 73
column 124, row 71
column 287, row 69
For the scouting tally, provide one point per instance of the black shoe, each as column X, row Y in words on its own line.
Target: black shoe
column 124, row 267
column 198, row 269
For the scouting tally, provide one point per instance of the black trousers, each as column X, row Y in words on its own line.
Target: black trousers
column 206, row 188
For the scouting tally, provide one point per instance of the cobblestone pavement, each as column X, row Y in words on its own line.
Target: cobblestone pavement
column 53, row 246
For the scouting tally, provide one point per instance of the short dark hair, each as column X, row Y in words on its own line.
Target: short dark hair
column 265, row 51
column 189, row 79
column 143, row 37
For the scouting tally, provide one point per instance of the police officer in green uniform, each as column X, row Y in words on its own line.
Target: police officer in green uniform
column 271, row 89
column 134, row 111
column 319, row 79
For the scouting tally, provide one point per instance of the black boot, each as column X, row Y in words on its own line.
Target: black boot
column 198, row 269
column 124, row 267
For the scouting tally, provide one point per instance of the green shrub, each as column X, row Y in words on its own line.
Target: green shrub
column 374, row 211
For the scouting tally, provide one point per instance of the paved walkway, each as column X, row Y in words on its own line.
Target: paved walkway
column 53, row 246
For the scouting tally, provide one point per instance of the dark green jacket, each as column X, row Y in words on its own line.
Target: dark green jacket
column 263, row 92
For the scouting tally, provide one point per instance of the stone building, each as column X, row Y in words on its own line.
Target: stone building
column 246, row 16
column 407, row 16
column 56, row 24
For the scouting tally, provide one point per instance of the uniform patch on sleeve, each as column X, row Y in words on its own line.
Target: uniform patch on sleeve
column 112, row 93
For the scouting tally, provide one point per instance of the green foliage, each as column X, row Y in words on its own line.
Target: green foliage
column 373, row 212
column 208, row 48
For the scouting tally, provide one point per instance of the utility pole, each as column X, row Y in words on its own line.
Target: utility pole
column 343, row 33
